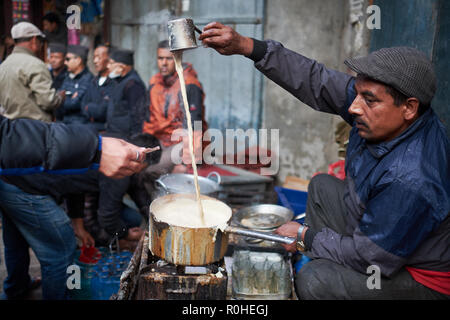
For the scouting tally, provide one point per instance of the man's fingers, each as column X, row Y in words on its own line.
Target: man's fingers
column 125, row 172
column 210, row 33
column 149, row 150
column 140, row 154
column 216, row 42
column 134, row 166
column 213, row 25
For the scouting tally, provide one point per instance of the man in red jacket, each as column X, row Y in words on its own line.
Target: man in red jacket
column 167, row 113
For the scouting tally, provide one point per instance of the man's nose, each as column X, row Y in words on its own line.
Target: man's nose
column 355, row 108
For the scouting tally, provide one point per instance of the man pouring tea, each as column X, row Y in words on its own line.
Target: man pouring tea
column 392, row 210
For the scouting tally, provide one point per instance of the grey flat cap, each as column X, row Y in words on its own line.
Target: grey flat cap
column 25, row 30
column 406, row 69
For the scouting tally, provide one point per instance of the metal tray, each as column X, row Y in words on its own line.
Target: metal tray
column 262, row 217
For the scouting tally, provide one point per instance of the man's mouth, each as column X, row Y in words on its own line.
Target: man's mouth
column 360, row 124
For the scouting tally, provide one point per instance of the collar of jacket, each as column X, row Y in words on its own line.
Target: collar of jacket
column 129, row 74
column 62, row 73
column 81, row 73
column 18, row 49
column 97, row 78
column 380, row 149
column 170, row 80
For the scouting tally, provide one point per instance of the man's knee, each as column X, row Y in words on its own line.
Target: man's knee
column 317, row 182
column 320, row 279
column 309, row 282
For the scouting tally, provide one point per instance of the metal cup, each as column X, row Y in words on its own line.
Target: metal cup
column 182, row 34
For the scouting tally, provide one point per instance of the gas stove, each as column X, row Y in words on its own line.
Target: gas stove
column 156, row 279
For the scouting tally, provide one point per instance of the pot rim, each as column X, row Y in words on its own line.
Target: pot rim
column 215, row 186
column 187, row 195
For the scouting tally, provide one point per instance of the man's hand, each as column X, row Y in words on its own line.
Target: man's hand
column 289, row 229
column 120, row 158
column 134, row 234
column 179, row 168
column 81, row 233
column 225, row 40
column 62, row 94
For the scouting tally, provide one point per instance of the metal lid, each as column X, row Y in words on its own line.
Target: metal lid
column 184, row 183
column 263, row 216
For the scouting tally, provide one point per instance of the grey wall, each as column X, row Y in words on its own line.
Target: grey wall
column 314, row 29
column 139, row 25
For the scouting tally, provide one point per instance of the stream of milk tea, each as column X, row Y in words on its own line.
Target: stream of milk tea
column 178, row 57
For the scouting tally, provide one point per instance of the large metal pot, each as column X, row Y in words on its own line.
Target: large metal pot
column 194, row 246
column 184, row 183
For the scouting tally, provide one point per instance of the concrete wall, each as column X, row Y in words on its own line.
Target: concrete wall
column 321, row 30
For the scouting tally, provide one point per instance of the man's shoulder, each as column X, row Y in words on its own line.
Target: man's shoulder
column 87, row 76
column 24, row 61
column 133, row 80
column 422, row 160
column 156, row 79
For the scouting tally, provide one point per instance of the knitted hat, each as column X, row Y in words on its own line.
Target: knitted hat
column 406, row 69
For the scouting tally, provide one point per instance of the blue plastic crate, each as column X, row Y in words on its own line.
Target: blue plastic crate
column 292, row 199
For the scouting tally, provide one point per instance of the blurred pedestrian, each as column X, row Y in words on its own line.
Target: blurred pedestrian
column 75, row 85
column 25, row 82
column 58, row 67
column 99, row 92
column 7, row 46
column 54, row 29
column 30, row 146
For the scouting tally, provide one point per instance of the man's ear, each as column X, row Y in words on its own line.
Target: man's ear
column 411, row 108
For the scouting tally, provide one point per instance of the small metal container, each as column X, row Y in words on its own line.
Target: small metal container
column 182, row 34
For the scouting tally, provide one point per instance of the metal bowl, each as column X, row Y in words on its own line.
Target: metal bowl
column 262, row 217
column 184, row 183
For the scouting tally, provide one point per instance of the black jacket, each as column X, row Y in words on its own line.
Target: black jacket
column 59, row 79
column 70, row 111
column 95, row 102
column 128, row 108
column 30, row 146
